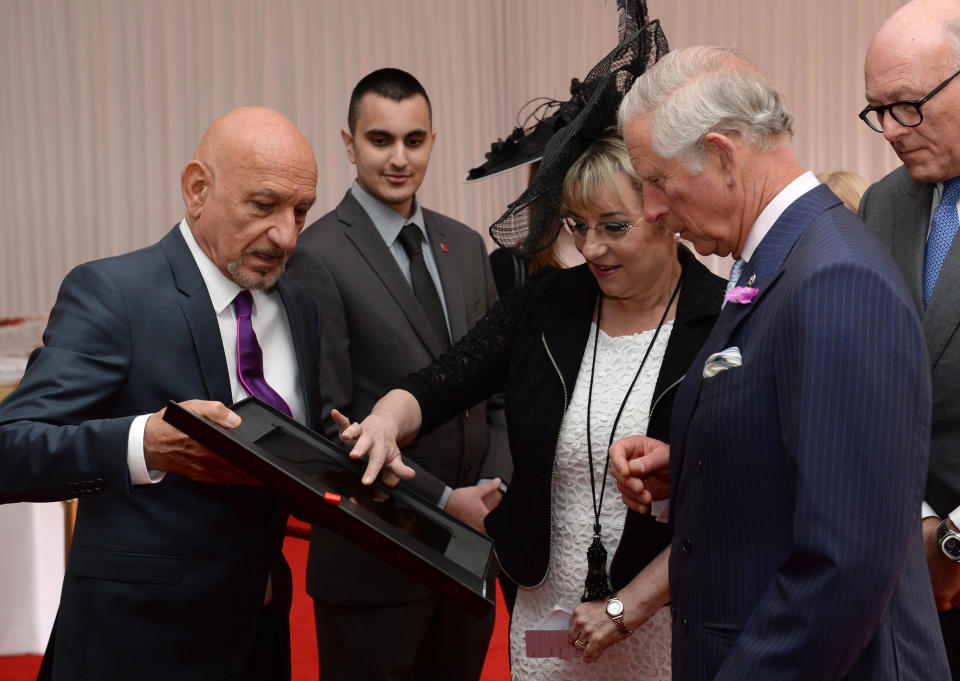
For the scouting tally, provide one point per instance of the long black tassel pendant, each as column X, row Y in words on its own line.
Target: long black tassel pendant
column 597, row 584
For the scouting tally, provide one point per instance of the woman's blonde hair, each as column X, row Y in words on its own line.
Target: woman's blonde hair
column 847, row 185
column 591, row 180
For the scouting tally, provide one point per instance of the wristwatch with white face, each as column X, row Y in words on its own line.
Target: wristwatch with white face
column 615, row 611
column 948, row 538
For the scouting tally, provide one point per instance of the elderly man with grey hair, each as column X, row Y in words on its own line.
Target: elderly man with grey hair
column 913, row 101
column 800, row 433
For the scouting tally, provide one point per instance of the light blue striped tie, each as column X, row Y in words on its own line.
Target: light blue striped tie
column 942, row 230
column 735, row 273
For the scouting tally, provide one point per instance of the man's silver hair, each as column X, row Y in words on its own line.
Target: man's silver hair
column 699, row 90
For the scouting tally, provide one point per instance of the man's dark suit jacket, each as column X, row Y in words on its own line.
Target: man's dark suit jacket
column 797, row 477
column 898, row 209
column 374, row 334
column 163, row 581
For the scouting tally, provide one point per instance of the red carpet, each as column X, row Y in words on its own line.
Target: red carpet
column 303, row 633
column 23, row 668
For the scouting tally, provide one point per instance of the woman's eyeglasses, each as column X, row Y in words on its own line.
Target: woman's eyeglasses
column 608, row 231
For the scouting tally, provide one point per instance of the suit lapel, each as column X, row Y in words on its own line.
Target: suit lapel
column 449, row 268
column 361, row 231
column 305, row 343
column 198, row 312
column 907, row 239
column 763, row 271
column 942, row 317
column 688, row 395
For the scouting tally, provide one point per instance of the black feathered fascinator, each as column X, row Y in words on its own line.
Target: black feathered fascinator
column 530, row 223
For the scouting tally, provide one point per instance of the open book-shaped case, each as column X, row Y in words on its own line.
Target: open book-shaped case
column 320, row 484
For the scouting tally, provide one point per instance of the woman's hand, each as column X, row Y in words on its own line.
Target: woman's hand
column 393, row 422
column 642, row 597
column 349, row 432
column 591, row 625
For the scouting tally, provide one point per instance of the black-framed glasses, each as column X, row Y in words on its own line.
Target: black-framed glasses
column 608, row 231
column 907, row 113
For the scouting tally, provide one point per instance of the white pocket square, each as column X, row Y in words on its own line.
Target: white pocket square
column 721, row 361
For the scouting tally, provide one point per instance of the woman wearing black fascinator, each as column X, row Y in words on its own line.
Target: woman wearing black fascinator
column 583, row 356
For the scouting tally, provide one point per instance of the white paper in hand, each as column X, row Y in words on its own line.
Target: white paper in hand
column 551, row 636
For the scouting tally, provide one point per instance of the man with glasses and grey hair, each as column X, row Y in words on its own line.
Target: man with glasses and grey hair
column 913, row 101
column 799, row 434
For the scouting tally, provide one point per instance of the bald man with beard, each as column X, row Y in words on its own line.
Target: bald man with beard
column 912, row 99
column 176, row 570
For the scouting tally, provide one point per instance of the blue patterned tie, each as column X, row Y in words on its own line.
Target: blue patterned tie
column 942, row 230
column 735, row 273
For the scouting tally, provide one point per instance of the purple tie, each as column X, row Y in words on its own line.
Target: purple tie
column 250, row 357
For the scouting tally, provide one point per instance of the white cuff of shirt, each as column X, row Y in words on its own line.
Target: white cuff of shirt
column 954, row 515
column 136, row 462
column 445, row 497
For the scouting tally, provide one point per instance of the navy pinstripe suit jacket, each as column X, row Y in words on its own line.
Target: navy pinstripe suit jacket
column 797, row 476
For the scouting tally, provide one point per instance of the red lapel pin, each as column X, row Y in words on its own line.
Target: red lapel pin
column 443, row 247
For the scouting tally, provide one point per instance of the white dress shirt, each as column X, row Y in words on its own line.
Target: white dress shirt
column 389, row 223
column 272, row 327
column 769, row 215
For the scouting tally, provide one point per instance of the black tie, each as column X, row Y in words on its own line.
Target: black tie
column 412, row 241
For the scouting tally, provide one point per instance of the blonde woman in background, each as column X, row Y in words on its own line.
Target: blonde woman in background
column 848, row 185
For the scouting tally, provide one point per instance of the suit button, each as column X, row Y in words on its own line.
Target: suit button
column 466, row 414
column 686, row 545
column 684, row 625
column 699, row 465
column 467, row 468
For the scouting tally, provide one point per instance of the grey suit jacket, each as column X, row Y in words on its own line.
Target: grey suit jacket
column 897, row 209
column 374, row 333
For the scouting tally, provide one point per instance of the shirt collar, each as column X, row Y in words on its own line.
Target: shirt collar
column 793, row 191
column 387, row 221
column 221, row 289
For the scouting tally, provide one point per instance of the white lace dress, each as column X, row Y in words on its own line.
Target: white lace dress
column 644, row 656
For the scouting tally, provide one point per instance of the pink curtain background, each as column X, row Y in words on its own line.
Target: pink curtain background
column 104, row 101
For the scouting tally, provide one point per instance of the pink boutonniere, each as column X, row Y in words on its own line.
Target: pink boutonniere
column 741, row 294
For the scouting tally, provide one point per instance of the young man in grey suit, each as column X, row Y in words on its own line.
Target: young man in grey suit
column 913, row 101
column 397, row 283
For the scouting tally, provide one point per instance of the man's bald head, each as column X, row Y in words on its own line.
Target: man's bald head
column 232, row 138
column 915, row 50
column 247, row 191
column 918, row 14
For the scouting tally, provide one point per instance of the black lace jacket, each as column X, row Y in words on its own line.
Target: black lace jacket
column 530, row 346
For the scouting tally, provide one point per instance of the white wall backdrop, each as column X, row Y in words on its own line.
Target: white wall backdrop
column 104, row 101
